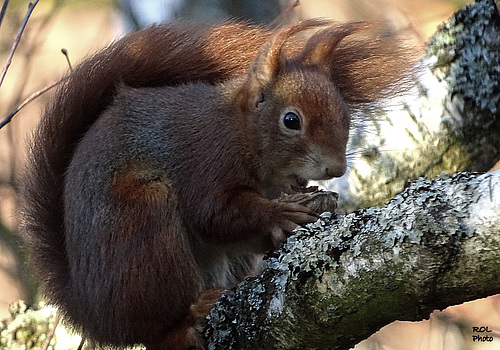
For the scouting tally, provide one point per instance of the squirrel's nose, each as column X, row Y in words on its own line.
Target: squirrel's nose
column 336, row 170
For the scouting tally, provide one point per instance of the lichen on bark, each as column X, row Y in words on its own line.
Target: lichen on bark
column 466, row 51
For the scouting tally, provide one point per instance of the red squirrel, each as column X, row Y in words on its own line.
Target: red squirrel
column 153, row 175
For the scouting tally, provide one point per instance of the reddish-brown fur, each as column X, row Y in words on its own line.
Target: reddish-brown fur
column 126, row 237
column 159, row 55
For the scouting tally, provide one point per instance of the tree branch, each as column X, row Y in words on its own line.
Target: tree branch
column 6, row 66
column 28, row 100
column 3, row 10
column 338, row 281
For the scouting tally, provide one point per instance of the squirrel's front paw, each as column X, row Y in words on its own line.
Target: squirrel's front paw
column 301, row 208
column 292, row 215
column 316, row 200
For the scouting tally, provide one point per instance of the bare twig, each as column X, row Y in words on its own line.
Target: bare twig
column 31, row 6
column 82, row 343
column 65, row 53
column 282, row 14
column 4, row 9
column 51, row 332
column 28, row 100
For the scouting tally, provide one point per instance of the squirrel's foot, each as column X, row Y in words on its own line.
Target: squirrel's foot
column 187, row 334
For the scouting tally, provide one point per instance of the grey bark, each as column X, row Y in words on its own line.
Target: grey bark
column 341, row 279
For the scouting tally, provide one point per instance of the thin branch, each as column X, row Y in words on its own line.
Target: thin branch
column 4, row 9
column 282, row 14
column 31, row 6
column 82, row 343
column 65, row 53
column 51, row 332
column 28, row 100
column 28, row 54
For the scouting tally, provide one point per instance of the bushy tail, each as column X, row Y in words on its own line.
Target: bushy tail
column 166, row 54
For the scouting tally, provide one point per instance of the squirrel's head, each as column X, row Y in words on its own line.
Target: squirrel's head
column 297, row 109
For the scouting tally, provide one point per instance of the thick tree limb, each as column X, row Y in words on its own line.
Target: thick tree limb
column 340, row 280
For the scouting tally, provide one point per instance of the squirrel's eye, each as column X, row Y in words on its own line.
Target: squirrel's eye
column 291, row 121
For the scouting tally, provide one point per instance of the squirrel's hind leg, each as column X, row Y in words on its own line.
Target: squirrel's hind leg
column 187, row 334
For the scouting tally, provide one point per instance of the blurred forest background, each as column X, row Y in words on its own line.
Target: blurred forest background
column 83, row 27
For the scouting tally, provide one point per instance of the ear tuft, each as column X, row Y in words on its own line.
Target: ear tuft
column 322, row 44
column 365, row 63
column 270, row 59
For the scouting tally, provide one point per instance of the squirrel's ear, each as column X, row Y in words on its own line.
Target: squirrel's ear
column 319, row 48
column 270, row 59
column 365, row 62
